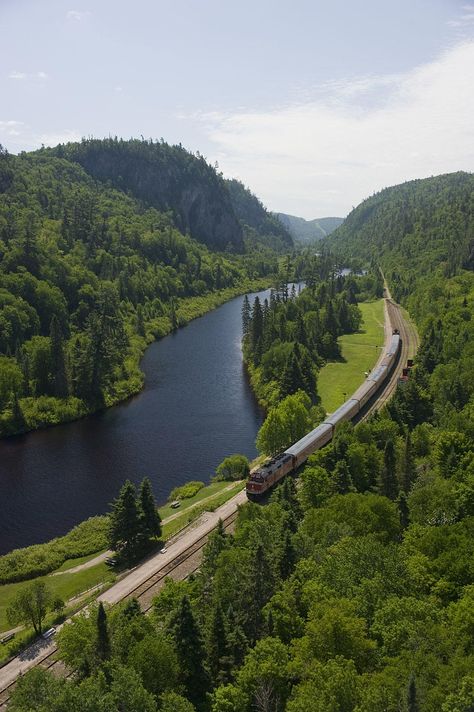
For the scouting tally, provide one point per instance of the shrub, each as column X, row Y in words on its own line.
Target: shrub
column 234, row 467
column 190, row 489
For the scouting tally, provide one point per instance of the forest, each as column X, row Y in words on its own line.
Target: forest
column 90, row 274
column 352, row 590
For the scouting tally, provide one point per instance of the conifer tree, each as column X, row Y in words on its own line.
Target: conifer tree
column 190, row 651
column 388, row 485
column 260, row 590
column 408, row 465
column 412, row 703
column 246, row 318
column 403, row 510
column 292, row 379
column 125, row 525
column 150, row 519
column 218, row 659
column 217, row 542
column 287, row 559
column 256, row 333
column 342, row 478
column 103, row 641
column 58, row 361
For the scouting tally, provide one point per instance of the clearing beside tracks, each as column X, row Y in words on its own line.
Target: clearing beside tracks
column 360, row 352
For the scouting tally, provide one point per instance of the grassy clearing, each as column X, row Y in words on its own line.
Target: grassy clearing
column 186, row 517
column 64, row 586
column 209, row 491
column 360, row 352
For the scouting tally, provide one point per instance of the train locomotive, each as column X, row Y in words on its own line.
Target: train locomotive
column 265, row 477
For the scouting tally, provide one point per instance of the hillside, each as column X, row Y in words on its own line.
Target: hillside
column 258, row 224
column 89, row 274
column 414, row 228
column 167, row 178
column 308, row 231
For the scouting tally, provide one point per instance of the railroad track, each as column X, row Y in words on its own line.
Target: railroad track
column 409, row 347
column 188, row 561
column 179, row 568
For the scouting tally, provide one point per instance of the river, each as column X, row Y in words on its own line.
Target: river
column 195, row 409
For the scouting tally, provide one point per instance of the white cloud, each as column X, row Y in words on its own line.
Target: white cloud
column 465, row 19
column 321, row 157
column 77, row 15
column 11, row 128
column 64, row 136
column 21, row 76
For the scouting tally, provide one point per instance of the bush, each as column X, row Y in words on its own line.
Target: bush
column 190, row 489
column 234, row 467
column 22, row 564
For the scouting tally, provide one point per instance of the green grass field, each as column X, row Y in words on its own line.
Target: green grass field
column 64, row 586
column 360, row 352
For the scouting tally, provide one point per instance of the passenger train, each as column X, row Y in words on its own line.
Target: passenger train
column 265, row 477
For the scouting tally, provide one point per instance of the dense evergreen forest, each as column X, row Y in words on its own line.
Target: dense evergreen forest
column 355, row 591
column 91, row 271
column 287, row 338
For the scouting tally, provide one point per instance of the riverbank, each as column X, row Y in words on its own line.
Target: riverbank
column 78, row 580
column 47, row 411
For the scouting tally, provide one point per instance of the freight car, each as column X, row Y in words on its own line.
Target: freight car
column 265, row 477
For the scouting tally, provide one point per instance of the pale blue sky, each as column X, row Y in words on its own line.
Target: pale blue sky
column 314, row 105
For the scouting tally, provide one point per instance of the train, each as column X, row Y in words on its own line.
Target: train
column 265, row 477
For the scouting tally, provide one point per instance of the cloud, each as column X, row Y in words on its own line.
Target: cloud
column 52, row 139
column 324, row 155
column 465, row 20
column 21, row 76
column 11, row 128
column 77, row 15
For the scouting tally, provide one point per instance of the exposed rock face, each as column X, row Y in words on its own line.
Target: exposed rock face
column 168, row 178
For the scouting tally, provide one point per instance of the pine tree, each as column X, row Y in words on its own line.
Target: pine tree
column 103, row 641
column 292, row 378
column 219, row 662
column 141, row 331
column 342, row 478
column 260, row 590
column 287, row 559
column 388, row 485
column 125, row 525
column 217, row 542
column 412, row 703
column 403, row 510
column 190, row 651
column 150, row 519
column 408, row 465
column 18, row 419
column 58, row 361
column 256, row 332
column 246, row 318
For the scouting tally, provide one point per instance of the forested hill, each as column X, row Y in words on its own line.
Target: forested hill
column 308, row 231
column 90, row 275
column 168, row 178
column 259, row 224
column 414, row 228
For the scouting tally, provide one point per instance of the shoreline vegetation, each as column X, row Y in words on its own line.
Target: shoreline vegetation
column 51, row 561
column 48, row 411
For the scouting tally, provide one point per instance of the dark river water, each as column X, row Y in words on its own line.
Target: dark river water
column 195, row 409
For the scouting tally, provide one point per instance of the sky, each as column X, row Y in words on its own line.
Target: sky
column 313, row 105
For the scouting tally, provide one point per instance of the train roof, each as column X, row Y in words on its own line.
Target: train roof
column 342, row 411
column 378, row 372
column 302, row 444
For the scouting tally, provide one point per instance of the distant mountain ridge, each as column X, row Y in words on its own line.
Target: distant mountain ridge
column 308, row 231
